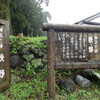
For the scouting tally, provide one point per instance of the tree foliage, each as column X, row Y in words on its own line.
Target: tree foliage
column 21, row 20
column 27, row 16
column 41, row 1
column 4, row 9
column 46, row 16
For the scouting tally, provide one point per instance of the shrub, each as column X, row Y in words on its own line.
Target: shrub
column 17, row 43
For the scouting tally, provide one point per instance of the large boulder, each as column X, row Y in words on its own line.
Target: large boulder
column 82, row 81
column 68, row 85
column 15, row 78
column 91, row 75
column 15, row 61
column 97, row 75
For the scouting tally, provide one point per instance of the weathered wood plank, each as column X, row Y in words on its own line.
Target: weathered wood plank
column 71, row 28
column 78, row 65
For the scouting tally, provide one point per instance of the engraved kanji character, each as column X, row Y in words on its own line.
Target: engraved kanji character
column 1, row 57
column 90, row 49
column 1, row 29
column 2, row 73
column 1, row 35
column 1, row 45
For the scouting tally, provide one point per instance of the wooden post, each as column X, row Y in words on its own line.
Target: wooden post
column 4, row 55
column 51, row 73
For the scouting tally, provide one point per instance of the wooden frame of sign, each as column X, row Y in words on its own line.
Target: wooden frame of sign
column 4, row 55
column 71, row 47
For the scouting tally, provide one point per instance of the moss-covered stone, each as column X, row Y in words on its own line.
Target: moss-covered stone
column 15, row 78
column 28, row 57
column 37, row 63
column 15, row 60
column 27, row 65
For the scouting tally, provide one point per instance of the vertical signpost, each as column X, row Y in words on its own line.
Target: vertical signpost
column 4, row 55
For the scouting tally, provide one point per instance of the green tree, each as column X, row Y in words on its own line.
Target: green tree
column 4, row 9
column 41, row 1
column 27, row 16
column 21, row 22
column 46, row 16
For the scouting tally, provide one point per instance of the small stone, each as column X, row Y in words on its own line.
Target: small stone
column 37, row 63
column 68, row 85
column 25, row 49
column 15, row 78
column 44, row 61
column 34, row 50
column 26, row 65
column 82, row 81
column 22, row 70
column 28, row 57
column 40, row 54
column 15, row 61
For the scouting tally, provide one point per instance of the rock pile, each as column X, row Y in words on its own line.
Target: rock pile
column 29, row 57
column 83, row 79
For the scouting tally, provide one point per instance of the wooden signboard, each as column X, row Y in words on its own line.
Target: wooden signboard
column 70, row 47
column 4, row 55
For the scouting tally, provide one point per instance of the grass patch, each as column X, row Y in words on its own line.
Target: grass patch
column 92, row 93
column 36, row 89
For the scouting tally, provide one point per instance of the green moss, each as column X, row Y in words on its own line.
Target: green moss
column 37, row 63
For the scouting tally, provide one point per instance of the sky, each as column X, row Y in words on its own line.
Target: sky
column 71, row 11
